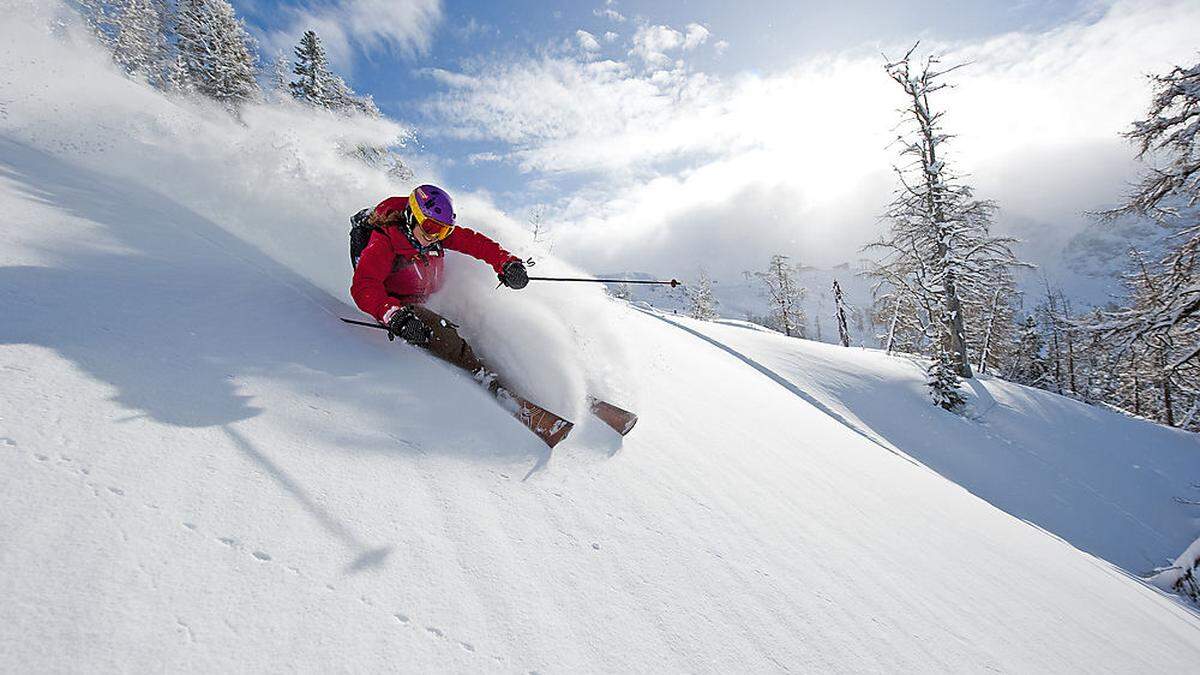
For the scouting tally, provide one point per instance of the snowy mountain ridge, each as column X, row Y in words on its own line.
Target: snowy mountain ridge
column 202, row 469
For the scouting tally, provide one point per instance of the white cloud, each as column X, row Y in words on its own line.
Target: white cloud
column 347, row 27
column 609, row 13
column 652, row 42
column 587, row 41
column 695, row 36
column 482, row 157
column 682, row 164
column 610, row 36
column 720, row 46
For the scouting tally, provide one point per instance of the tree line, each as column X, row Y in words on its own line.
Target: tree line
column 202, row 47
column 945, row 288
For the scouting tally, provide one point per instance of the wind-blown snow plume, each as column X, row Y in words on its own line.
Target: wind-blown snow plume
column 283, row 179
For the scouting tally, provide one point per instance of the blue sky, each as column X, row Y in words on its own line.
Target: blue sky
column 653, row 132
column 763, row 36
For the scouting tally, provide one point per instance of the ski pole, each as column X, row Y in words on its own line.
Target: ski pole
column 364, row 323
column 391, row 335
column 672, row 283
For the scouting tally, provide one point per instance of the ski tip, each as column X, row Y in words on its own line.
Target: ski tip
column 629, row 425
column 618, row 419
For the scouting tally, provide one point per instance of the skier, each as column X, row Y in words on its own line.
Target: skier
column 401, row 265
column 397, row 251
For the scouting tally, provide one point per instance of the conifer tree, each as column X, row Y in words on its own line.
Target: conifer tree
column 702, row 302
column 314, row 83
column 216, row 53
column 137, row 34
column 317, row 84
column 280, row 83
column 1028, row 365
column 141, row 46
column 945, row 385
column 102, row 17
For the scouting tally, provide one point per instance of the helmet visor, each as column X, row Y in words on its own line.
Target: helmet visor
column 434, row 229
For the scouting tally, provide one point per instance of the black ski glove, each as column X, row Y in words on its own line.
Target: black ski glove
column 405, row 325
column 514, row 274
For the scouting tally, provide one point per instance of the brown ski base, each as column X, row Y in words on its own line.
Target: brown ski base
column 621, row 421
column 544, row 424
column 446, row 344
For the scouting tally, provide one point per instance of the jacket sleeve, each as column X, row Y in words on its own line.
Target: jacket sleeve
column 465, row 240
column 374, row 266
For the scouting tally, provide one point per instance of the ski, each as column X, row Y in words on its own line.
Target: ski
column 544, row 424
column 621, row 421
column 547, row 426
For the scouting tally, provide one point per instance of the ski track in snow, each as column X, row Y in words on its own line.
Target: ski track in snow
column 112, row 498
column 783, row 382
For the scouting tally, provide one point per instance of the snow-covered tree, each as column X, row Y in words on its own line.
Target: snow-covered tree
column 896, row 312
column 839, row 304
column 280, row 83
column 137, row 33
column 314, row 83
column 1159, row 380
column 103, row 17
column 702, row 304
column 784, row 295
column 945, row 385
column 351, row 102
column 216, row 53
column 1028, row 364
column 317, row 85
column 141, row 45
column 384, row 159
column 939, row 258
column 1160, row 319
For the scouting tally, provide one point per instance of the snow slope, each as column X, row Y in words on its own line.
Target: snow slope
column 1105, row 482
column 201, row 469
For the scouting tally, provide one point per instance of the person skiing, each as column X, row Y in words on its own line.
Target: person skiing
column 397, row 251
column 402, row 264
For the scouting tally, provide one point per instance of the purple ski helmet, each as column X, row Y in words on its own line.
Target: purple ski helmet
column 432, row 210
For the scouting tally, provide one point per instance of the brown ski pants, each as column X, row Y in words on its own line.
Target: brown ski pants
column 445, row 342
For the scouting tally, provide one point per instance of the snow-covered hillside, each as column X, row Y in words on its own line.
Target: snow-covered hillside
column 1105, row 482
column 201, row 469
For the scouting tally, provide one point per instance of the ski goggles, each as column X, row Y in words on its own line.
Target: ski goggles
column 434, row 228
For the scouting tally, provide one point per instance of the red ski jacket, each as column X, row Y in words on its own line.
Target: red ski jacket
column 391, row 273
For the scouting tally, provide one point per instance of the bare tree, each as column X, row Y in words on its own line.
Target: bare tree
column 537, row 223
column 939, row 258
column 1160, row 319
column 784, row 294
column 840, row 314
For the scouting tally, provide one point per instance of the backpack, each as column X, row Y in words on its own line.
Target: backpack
column 360, row 234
